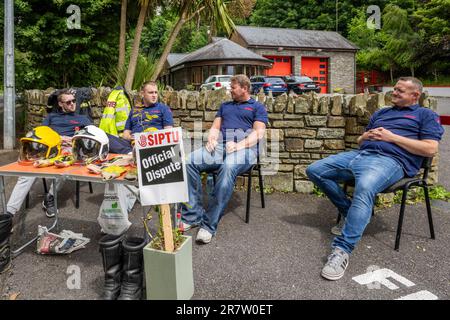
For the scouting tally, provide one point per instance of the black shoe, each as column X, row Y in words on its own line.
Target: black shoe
column 49, row 205
column 9, row 214
column 5, row 249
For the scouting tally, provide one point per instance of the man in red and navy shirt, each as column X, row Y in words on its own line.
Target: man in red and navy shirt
column 231, row 150
column 394, row 145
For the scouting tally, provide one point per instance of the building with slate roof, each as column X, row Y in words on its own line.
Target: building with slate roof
column 221, row 56
column 325, row 56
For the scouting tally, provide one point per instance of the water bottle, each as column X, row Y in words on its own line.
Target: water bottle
column 179, row 223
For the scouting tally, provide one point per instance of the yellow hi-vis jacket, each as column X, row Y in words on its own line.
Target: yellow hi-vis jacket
column 115, row 113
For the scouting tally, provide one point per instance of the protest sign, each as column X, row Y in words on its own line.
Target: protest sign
column 161, row 167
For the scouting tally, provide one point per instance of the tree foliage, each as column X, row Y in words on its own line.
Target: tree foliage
column 414, row 38
column 48, row 53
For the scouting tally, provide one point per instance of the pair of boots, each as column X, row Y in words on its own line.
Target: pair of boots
column 5, row 233
column 123, row 266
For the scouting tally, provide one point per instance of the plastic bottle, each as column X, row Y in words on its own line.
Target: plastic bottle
column 179, row 223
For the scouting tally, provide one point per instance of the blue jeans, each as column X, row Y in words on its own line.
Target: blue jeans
column 372, row 173
column 229, row 166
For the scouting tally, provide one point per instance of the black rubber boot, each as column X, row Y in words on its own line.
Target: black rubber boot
column 5, row 249
column 111, row 250
column 133, row 269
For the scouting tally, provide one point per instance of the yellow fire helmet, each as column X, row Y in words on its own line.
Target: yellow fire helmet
column 40, row 143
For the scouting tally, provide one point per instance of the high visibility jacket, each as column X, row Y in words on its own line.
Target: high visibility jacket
column 115, row 113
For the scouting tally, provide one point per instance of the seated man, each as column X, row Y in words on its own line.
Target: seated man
column 65, row 122
column 393, row 146
column 231, row 150
column 149, row 115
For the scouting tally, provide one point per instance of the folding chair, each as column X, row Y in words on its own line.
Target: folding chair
column 77, row 193
column 405, row 185
column 249, row 174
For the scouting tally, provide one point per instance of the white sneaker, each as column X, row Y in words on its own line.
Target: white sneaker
column 337, row 229
column 204, row 236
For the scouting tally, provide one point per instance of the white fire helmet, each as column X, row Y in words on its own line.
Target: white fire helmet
column 90, row 144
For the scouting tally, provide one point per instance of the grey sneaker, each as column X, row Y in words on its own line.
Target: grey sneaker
column 49, row 205
column 337, row 263
column 204, row 236
column 337, row 229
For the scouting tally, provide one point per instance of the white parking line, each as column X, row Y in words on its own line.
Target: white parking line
column 380, row 276
column 421, row 295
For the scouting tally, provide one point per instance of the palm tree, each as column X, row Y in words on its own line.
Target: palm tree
column 215, row 11
column 123, row 35
column 144, row 4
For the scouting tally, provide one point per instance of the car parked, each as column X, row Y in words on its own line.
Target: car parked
column 216, row 82
column 268, row 83
column 301, row 84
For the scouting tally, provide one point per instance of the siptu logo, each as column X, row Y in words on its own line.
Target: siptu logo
column 374, row 21
column 74, row 21
column 142, row 141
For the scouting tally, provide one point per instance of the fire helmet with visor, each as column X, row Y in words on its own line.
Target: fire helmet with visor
column 90, row 144
column 39, row 143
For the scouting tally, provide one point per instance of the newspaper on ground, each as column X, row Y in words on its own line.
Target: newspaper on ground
column 63, row 243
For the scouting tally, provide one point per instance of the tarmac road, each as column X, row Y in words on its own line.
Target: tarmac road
column 278, row 255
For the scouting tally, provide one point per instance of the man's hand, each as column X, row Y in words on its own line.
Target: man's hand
column 368, row 135
column 211, row 144
column 213, row 135
column 127, row 135
column 231, row 147
column 382, row 134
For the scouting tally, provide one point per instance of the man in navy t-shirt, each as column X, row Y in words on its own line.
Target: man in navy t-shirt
column 147, row 115
column 394, row 145
column 231, row 150
column 65, row 122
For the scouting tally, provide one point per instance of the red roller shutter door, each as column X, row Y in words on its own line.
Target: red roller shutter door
column 316, row 69
column 282, row 66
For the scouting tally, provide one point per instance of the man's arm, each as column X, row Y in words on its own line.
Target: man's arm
column 425, row 148
column 259, row 128
column 213, row 135
column 127, row 135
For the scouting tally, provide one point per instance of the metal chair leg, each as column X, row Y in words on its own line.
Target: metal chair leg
column 261, row 188
column 77, row 194
column 428, row 204
column 90, row 188
column 44, row 182
column 249, row 193
column 400, row 220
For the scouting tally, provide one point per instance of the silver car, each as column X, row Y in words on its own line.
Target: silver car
column 216, row 82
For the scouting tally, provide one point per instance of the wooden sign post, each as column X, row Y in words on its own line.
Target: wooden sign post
column 167, row 227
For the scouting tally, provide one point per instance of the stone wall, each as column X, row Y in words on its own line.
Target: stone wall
column 301, row 130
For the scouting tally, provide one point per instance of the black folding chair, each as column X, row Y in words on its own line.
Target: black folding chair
column 77, row 193
column 405, row 185
column 249, row 174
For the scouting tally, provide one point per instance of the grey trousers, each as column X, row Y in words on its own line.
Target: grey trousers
column 21, row 190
